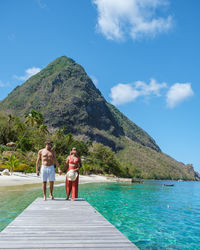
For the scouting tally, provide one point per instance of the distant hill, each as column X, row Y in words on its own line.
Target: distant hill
column 66, row 96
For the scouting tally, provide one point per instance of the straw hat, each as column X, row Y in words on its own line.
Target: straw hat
column 71, row 175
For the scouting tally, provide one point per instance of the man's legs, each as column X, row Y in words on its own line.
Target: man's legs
column 51, row 180
column 44, row 187
column 51, row 189
column 44, row 181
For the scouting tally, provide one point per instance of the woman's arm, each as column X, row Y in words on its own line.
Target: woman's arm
column 79, row 162
column 66, row 164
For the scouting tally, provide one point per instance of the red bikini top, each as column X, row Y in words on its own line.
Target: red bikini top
column 73, row 161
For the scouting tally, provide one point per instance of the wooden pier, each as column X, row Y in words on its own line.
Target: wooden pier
column 61, row 224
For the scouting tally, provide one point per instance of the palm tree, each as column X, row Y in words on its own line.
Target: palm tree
column 61, row 131
column 43, row 129
column 12, row 163
column 34, row 118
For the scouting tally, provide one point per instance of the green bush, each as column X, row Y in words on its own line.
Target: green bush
column 103, row 160
column 86, row 169
column 2, row 148
column 22, row 168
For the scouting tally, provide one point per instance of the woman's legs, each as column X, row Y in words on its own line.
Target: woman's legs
column 68, row 187
column 76, row 184
column 75, row 188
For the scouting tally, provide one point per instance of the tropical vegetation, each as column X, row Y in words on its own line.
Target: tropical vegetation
column 29, row 135
column 62, row 103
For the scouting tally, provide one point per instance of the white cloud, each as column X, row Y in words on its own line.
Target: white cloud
column 178, row 93
column 28, row 73
column 153, row 87
column 135, row 18
column 125, row 93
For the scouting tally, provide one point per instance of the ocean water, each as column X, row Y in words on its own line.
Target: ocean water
column 151, row 215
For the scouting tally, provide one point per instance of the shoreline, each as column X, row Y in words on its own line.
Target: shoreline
column 31, row 179
column 20, row 179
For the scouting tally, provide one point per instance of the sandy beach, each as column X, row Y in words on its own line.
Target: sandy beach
column 23, row 179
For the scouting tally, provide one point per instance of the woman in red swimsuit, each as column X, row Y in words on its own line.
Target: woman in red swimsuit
column 72, row 162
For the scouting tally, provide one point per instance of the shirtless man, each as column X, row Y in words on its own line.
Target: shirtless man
column 48, row 157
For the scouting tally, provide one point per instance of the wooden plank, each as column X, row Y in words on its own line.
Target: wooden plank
column 61, row 224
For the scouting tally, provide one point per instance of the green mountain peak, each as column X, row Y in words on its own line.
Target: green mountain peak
column 66, row 96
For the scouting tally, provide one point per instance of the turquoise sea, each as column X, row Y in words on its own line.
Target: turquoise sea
column 150, row 215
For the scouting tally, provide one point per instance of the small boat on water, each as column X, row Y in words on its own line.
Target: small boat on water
column 168, row 185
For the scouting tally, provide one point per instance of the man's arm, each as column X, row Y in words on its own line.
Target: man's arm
column 57, row 163
column 37, row 162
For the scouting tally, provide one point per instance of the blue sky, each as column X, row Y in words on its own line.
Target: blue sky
column 142, row 55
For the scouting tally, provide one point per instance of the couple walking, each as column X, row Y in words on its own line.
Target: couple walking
column 48, row 157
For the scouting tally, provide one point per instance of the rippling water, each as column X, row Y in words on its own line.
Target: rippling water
column 150, row 215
